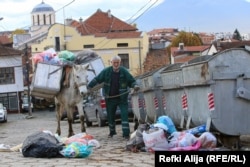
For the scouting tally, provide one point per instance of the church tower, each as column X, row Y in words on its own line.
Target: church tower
column 42, row 17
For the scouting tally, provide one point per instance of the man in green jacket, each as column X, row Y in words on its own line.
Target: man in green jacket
column 116, row 83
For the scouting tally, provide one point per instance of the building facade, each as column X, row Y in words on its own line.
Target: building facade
column 95, row 33
column 11, row 78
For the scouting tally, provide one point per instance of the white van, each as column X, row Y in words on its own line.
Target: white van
column 3, row 113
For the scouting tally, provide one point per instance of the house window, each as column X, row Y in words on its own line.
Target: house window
column 9, row 100
column 7, row 76
column 88, row 46
column 124, row 60
column 122, row 45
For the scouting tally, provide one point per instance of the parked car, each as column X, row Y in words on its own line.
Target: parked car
column 25, row 104
column 95, row 109
column 3, row 113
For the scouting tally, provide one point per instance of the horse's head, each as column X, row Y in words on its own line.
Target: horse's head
column 80, row 78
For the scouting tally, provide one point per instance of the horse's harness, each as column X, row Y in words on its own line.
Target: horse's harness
column 76, row 85
column 80, row 84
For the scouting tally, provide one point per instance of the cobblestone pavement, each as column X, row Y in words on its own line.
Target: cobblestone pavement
column 111, row 153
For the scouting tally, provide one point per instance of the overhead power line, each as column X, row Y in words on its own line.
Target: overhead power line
column 138, row 11
column 147, row 9
column 144, row 11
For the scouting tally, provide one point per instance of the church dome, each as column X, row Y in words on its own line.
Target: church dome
column 42, row 7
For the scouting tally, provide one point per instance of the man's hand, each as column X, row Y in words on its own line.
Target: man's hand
column 136, row 88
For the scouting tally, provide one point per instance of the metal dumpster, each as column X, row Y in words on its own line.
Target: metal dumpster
column 138, row 103
column 154, row 100
column 172, row 81
column 46, row 80
column 218, row 92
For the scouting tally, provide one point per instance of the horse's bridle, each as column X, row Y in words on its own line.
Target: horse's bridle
column 83, row 83
column 80, row 84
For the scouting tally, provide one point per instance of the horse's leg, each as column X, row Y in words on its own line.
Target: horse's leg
column 81, row 116
column 70, row 111
column 58, row 117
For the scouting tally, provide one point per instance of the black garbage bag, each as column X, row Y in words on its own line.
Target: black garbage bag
column 85, row 56
column 41, row 145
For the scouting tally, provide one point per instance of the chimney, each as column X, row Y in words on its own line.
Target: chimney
column 68, row 21
column 181, row 46
column 80, row 20
column 109, row 13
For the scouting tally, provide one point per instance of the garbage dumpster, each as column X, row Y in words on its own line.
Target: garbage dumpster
column 152, row 93
column 217, row 89
column 172, row 87
column 138, row 103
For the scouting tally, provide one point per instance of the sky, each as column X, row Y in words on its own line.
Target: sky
column 189, row 15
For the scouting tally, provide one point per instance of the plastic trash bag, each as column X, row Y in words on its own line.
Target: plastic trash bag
column 155, row 139
column 80, row 138
column 166, row 123
column 76, row 150
column 208, row 140
column 66, row 55
column 85, row 56
column 41, row 145
column 180, row 140
column 197, row 130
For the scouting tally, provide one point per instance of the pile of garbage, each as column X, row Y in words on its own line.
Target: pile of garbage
column 44, row 144
column 163, row 136
column 50, row 56
column 64, row 57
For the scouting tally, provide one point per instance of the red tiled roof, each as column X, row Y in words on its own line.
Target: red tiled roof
column 235, row 44
column 175, row 50
column 5, row 40
column 7, row 51
column 133, row 34
column 74, row 23
column 183, row 59
column 103, row 22
column 162, row 30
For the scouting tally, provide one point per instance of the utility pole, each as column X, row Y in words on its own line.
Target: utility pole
column 64, row 26
column 27, row 53
column 139, row 45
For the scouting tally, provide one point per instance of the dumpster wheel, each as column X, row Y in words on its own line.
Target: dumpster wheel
column 245, row 142
column 230, row 142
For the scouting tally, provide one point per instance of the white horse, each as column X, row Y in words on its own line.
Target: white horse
column 71, row 96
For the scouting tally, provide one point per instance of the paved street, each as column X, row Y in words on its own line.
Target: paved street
column 111, row 153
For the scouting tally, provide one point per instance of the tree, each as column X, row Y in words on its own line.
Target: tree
column 188, row 38
column 17, row 31
column 236, row 35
